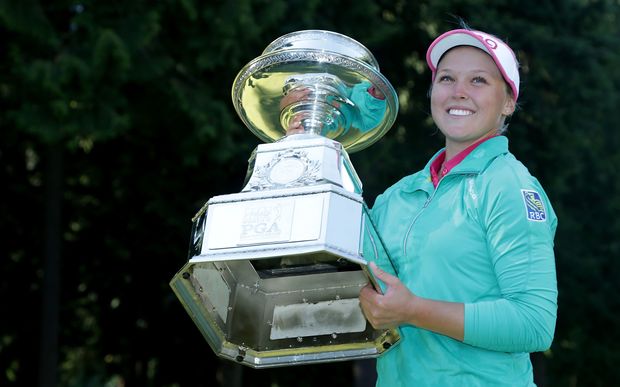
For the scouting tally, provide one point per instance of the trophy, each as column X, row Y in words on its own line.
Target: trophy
column 274, row 271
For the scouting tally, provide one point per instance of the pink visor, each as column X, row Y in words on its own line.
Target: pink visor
column 502, row 55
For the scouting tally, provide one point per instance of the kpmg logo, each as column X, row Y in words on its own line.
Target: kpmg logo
column 534, row 207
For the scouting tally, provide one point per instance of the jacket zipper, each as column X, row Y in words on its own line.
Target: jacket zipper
column 428, row 201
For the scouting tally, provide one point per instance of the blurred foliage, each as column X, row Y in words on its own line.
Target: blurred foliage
column 137, row 95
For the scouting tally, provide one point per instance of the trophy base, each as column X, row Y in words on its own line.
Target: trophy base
column 288, row 319
column 276, row 279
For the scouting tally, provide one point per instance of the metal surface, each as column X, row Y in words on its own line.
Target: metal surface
column 326, row 64
column 274, row 272
column 282, row 310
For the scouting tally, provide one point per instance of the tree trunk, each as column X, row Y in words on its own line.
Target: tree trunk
column 48, row 355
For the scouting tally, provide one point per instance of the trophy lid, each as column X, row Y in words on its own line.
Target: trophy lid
column 321, row 79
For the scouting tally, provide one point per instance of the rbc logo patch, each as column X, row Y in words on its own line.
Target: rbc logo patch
column 534, row 207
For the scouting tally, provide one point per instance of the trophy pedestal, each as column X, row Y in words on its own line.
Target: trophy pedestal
column 284, row 222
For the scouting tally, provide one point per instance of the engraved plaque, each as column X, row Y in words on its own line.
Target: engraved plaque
column 267, row 222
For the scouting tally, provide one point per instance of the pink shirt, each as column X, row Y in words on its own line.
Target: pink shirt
column 438, row 163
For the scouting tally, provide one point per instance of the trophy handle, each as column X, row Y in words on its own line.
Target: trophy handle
column 374, row 250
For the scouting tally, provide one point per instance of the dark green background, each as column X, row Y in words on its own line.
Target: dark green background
column 116, row 125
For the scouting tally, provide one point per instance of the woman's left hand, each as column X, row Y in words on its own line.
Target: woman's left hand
column 398, row 306
column 390, row 309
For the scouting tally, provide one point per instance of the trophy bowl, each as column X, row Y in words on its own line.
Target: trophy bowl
column 334, row 71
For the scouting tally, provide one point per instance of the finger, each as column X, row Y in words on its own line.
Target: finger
column 367, row 292
column 387, row 278
column 299, row 94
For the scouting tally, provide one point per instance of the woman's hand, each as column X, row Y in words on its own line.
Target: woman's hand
column 295, row 95
column 295, row 126
column 390, row 309
column 398, row 306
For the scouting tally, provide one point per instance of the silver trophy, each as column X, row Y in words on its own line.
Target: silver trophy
column 275, row 271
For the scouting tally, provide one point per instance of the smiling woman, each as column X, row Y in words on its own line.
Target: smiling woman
column 470, row 236
column 468, row 99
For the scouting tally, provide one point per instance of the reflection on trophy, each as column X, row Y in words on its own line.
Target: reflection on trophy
column 275, row 271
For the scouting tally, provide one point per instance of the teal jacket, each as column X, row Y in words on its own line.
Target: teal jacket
column 483, row 237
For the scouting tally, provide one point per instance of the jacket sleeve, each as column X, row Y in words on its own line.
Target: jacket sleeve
column 371, row 110
column 520, row 226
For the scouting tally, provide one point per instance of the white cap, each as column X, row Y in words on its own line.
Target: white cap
column 502, row 55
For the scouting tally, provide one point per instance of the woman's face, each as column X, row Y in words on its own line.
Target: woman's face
column 469, row 99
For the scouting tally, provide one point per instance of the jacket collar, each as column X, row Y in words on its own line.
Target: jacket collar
column 474, row 163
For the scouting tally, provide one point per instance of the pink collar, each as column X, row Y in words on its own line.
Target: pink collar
column 438, row 163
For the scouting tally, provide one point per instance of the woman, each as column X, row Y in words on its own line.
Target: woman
column 470, row 236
